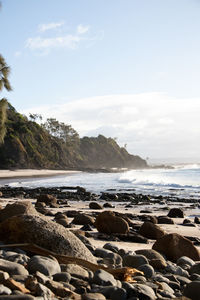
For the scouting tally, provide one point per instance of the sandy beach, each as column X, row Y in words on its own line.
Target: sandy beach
column 9, row 174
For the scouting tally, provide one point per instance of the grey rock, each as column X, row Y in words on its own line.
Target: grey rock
column 18, row 258
column 110, row 258
column 134, row 261
column 118, row 294
column 160, row 278
column 93, row 296
column 4, row 290
column 44, row 233
column 183, row 280
column 62, row 276
column 17, row 297
column 195, row 268
column 76, row 271
column 147, row 270
column 192, row 290
column 104, row 278
column 12, row 268
column 44, row 265
column 184, row 260
column 141, row 291
column 41, row 278
column 167, row 288
column 111, row 247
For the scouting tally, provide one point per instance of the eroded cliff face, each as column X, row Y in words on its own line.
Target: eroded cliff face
column 28, row 145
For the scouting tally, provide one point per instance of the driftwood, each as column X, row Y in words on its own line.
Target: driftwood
column 123, row 274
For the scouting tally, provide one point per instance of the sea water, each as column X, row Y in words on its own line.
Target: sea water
column 181, row 181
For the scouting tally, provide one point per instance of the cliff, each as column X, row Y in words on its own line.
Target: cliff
column 29, row 145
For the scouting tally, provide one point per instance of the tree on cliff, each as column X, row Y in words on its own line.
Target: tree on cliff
column 4, row 83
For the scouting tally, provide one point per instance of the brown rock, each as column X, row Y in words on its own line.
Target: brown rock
column 59, row 290
column 95, row 205
column 62, row 221
column 155, row 259
column 48, row 200
column 176, row 213
column 165, row 220
column 17, row 208
column 44, row 233
column 173, row 246
column 83, row 219
column 107, row 222
column 151, row 231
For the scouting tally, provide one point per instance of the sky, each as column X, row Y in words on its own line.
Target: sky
column 127, row 69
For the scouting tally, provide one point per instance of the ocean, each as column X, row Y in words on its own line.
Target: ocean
column 181, row 181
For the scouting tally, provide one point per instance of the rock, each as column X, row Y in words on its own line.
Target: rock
column 95, row 205
column 59, row 290
column 118, row 294
column 107, row 222
column 17, row 208
column 150, row 254
column 4, row 290
column 113, row 260
column 12, row 268
column 62, row 276
column 184, row 260
column 192, row 290
column 93, row 296
column 108, row 205
column 134, row 261
column 48, row 200
column 151, row 231
column 63, row 221
column 165, row 220
column 44, row 265
column 195, row 268
column 173, row 246
column 141, row 291
column 75, row 271
column 104, row 278
column 83, row 219
column 44, row 233
column 147, row 270
column 111, row 247
column 17, row 297
column 176, row 213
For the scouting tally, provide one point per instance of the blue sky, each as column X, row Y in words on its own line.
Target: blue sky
column 125, row 68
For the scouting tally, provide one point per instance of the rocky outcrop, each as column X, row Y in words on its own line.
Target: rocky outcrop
column 44, row 233
column 17, row 208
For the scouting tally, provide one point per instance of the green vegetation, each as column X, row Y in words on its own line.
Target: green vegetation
column 55, row 145
column 4, row 83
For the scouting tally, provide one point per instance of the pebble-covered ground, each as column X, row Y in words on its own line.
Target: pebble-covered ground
column 112, row 232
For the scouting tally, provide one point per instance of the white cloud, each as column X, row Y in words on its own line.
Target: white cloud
column 18, row 53
column 44, row 44
column 152, row 124
column 39, row 43
column 81, row 29
column 49, row 26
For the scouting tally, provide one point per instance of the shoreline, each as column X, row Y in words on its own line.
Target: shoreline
column 33, row 173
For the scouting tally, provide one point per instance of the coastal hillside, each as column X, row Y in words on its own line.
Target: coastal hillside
column 55, row 145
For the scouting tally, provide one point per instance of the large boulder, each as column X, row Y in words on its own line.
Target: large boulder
column 173, row 246
column 176, row 213
column 151, row 231
column 17, row 208
column 107, row 222
column 44, row 233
